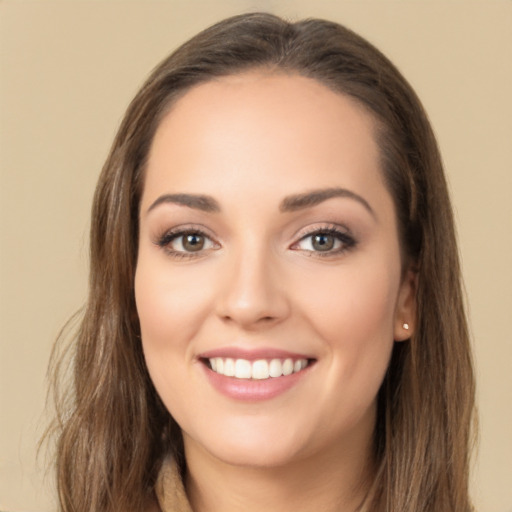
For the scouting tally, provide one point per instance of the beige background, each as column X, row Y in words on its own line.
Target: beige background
column 68, row 70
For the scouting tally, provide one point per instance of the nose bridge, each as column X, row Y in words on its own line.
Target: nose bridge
column 252, row 292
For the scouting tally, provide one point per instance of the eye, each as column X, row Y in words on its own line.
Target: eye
column 186, row 243
column 326, row 241
column 191, row 242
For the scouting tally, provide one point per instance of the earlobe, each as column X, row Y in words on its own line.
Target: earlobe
column 405, row 313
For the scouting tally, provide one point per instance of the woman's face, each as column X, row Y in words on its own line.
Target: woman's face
column 269, row 282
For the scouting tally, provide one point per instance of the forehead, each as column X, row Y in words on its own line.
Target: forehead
column 278, row 129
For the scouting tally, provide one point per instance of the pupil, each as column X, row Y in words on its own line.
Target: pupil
column 193, row 242
column 323, row 242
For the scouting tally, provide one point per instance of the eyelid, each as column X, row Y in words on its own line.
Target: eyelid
column 342, row 234
column 164, row 240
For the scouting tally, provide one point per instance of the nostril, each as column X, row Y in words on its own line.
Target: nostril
column 249, row 319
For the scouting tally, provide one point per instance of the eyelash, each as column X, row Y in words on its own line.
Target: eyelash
column 170, row 236
column 347, row 241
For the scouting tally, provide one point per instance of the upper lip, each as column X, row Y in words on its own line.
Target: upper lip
column 252, row 354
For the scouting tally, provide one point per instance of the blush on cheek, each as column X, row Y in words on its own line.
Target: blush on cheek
column 356, row 324
column 358, row 308
column 165, row 308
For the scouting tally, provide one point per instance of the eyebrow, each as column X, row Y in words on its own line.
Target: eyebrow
column 315, row 197
column 288, row 204
column 197, row 202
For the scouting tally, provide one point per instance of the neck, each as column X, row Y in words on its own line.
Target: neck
column 330, row 482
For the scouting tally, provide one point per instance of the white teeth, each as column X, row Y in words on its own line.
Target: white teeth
column 243, row 369
column 229, row 367
column 259, row 370
column 287, row 367
column 275, row 368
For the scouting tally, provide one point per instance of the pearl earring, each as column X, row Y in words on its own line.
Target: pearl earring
column 406, row 326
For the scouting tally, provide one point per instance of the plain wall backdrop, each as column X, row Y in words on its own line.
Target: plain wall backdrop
column 67, row 72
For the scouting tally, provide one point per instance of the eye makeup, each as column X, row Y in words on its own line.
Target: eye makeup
column 186, row 242
column 193, row 241
column 330, row 240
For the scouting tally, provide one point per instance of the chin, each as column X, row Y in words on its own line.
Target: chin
column 252, row 447
column 268, row 456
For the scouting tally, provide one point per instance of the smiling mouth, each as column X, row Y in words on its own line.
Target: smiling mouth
column 260, row 369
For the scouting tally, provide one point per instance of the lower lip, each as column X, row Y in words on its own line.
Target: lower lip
column 253, row 390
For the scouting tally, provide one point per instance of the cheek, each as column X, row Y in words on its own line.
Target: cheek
column 171, row 309
column 352, row 313
column 356, row 305
column 169, row 304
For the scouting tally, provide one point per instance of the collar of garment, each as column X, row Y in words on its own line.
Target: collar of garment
column 170, row 492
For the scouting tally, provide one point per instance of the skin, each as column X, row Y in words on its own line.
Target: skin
column 249, row 141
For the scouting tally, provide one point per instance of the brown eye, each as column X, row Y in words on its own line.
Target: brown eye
column 323, row 242
column 193, row 242
column 186, row 242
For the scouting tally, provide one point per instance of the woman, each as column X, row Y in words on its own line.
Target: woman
column 275, row 317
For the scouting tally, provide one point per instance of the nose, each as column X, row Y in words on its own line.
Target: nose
column 253, row 291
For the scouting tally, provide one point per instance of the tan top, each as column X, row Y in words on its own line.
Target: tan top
column 169, row 489
column 171, row 494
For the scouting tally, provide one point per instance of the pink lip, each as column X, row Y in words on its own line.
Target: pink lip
column 252, row 354
column 250, row 390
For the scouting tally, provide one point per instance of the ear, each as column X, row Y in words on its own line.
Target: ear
column 405, row 312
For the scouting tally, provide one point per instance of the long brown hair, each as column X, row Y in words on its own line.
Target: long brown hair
column 113, row 430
